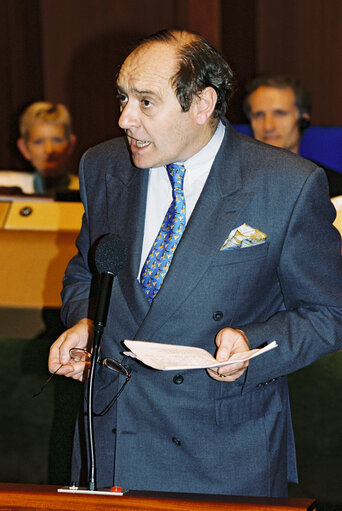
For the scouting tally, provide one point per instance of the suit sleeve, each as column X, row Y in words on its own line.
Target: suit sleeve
column 77, row 302
column 310, row 276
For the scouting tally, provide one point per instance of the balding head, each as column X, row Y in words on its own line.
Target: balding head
column 199, row 65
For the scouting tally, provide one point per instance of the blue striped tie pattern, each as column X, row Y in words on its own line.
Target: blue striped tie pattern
column 159, row 259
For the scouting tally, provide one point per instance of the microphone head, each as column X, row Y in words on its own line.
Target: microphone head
column 110, row 255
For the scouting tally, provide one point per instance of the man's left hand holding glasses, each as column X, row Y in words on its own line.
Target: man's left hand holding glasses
column 64, row 356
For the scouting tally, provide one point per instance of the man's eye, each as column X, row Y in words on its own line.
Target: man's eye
column 37, row 141
column 146, row 103
column 121, row 98
column 58, row 140
column 257, row 115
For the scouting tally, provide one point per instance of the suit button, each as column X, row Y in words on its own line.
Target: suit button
column 217, row 316
column 176, row 441
column 178, row 379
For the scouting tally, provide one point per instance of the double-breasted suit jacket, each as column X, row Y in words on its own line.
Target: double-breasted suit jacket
column 183, row 431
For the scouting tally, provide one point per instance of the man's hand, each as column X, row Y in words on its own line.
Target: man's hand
column 229, row 341
column 78, row 336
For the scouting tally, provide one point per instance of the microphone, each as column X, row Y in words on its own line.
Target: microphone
column 110, row 256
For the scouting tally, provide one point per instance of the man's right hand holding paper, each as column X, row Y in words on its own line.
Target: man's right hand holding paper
column 229, row 341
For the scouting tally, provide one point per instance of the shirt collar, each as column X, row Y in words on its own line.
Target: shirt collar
column 200, row 163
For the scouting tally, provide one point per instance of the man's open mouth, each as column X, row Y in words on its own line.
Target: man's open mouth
column 142, row 143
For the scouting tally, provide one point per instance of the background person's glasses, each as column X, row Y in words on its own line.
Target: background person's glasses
column 82, row 355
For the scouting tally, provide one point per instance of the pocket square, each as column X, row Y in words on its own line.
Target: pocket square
column 244, row 236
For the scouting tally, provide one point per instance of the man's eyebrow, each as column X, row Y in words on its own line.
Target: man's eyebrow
column 138, row 92
column 258, row 112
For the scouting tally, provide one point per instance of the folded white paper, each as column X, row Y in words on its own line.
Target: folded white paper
column 170, row 357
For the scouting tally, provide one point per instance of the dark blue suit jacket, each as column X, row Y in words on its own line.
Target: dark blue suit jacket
column 191, row 433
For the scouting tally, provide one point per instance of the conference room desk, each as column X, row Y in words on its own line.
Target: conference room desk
column 34, row 497
column 37, row 238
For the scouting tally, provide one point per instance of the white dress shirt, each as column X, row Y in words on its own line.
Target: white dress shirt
column 159, row 193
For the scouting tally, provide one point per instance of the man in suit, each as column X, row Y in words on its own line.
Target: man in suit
column 226, row 430
column 279, row 110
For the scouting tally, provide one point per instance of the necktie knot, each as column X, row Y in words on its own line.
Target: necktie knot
column 176, row 175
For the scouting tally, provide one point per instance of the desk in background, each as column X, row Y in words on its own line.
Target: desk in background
column 37, row 239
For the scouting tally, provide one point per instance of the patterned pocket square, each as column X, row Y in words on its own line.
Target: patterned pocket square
column 244, row 236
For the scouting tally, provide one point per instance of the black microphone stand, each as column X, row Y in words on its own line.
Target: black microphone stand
column 110, row 257
column 99, row 324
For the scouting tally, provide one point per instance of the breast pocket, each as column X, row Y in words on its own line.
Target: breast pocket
column 241, row 255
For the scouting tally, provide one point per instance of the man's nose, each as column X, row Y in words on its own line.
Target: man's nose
column 269, row 123
column 129, row 117
column 49, row 146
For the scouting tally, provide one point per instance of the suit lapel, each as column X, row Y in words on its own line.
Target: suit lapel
column 126, row 199
column 215, row 215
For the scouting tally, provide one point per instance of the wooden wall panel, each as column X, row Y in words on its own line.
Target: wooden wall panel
column 303, row 38
column 21, row 72
column 202, row 16
column 238, row 35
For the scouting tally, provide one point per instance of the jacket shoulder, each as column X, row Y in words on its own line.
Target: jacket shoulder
column 274, row 163
column 106, row 151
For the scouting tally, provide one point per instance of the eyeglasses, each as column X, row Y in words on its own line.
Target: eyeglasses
column 114, row 365
column 82, row 355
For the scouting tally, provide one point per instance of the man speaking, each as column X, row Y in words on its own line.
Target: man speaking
column 178, row 189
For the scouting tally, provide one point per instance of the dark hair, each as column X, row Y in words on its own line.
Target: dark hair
column 200, row 66
column 302, row 98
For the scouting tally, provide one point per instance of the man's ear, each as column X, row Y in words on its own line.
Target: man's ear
column 204, row 105
column 21, row 145
column 304, row 121
column 72, row 142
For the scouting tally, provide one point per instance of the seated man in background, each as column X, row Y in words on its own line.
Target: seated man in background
column 279, row 111
column 46, row 140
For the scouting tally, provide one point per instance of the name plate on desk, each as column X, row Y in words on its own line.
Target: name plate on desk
column 44, row 216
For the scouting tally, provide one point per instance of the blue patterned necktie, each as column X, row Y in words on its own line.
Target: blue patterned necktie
column 165, row 244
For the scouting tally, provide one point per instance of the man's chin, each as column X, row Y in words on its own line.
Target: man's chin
column 52, row 173
column 148, row 158
column 141, row 162
column 275, row 141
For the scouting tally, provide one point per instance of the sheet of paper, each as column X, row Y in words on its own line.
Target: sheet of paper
column 170, row 357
